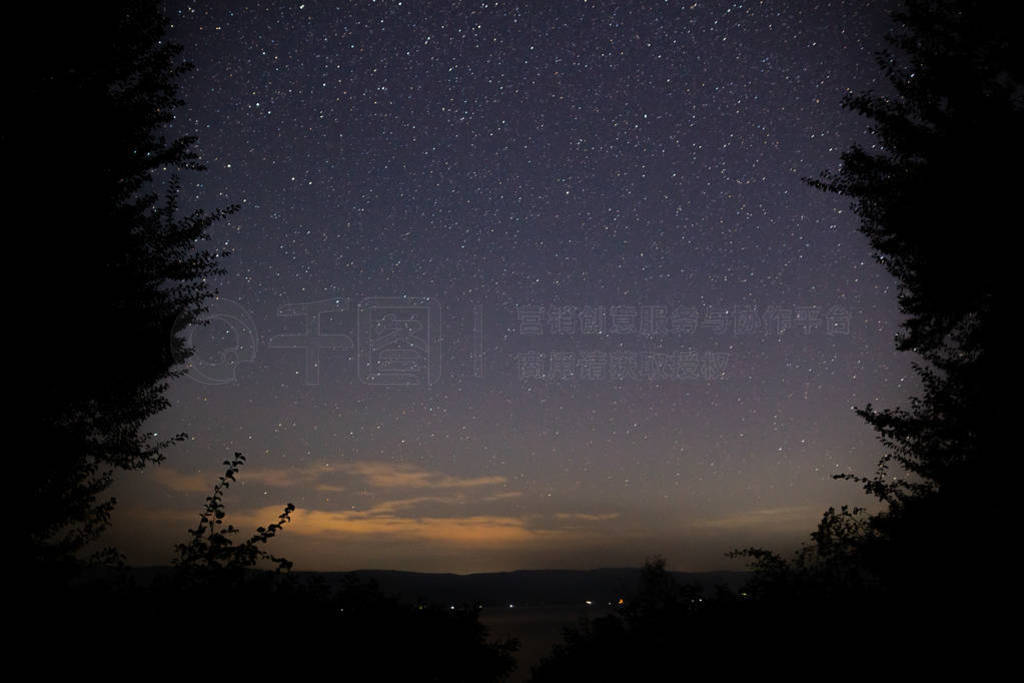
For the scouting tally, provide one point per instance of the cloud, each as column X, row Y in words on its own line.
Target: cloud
column 778, row 518
column 203, row 482
column 285, row 476
column 394, row 519
column 400, row 475
column 183, row 483
column 587, row 517
column 473, row 530
column 334, row 478
column 403, row 503
column 387, row 519
column 381, row 521
column 503, row 496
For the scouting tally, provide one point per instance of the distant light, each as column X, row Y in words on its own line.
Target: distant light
column 452, row 607
column 621, row 601
column 510, row 605
column 590, row 602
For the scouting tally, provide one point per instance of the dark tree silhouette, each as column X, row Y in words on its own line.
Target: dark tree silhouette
column 935, row 196
column 934, row 200
column 122, row 271
column 218, row 609
column 669, row 628
column 211, row 551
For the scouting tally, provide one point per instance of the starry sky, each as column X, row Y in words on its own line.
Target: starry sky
column 525, row 284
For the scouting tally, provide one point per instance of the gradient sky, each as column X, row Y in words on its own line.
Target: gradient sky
column 573, row 302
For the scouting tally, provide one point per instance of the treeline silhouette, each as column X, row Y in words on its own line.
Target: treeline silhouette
column 914, row 585
column 124, row 272
column 220, row 609
column 120, row 271
column 935, row 196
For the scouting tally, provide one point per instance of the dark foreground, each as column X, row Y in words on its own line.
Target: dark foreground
column 537, row 629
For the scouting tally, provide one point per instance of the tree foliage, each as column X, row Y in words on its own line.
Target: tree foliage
column 934, row 196
column 218, row 608
column 211, row 550
column 667, row 627
column 124, row 269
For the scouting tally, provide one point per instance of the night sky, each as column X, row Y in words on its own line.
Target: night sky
column 526, row 285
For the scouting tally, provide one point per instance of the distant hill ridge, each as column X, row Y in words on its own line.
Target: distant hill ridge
column 523, row 587
column 526, row 587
